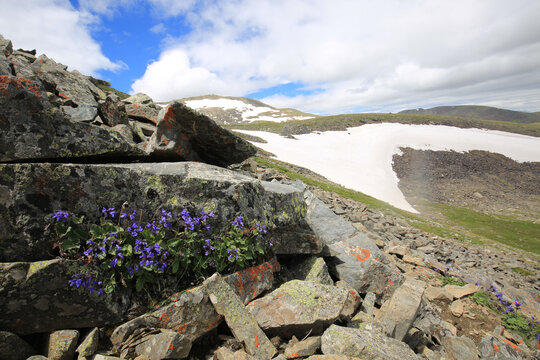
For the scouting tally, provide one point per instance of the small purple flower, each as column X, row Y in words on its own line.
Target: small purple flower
column 208, row 247
column 271, row 242
column 238, row 222
column 261, row 228
column 61, row 216
column 132, row 269
column 109, row 211
column 114, row 262
column 232, row 253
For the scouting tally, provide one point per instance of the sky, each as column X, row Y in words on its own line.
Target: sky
column 318, row 56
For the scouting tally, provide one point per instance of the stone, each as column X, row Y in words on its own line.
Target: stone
column 139, row 99
column 457, row 308
column 354, row 257
column 191, row 313
column 165, row 345
column 82, row 113
column 225, row 354
column 331, row 357
column 338, row 340
column 6, row 47
column 438, row 293
column 34, row 357
column 105, row 357
column 112, row 111
column 241, row 322
column 402, row 308
column 491, row 347
column 31, row 128
column 414, row 259
column 368, row 303
column 69, row 85
column 12, row 347
column 461, row 291
column 142, row 112
column 125, row 131
column 303, row 348
column 34, row 191
column 62, row 344
column 183, row 134
column 89, row 345
column 312, row 269
column 298, row 307
column 5, row 66
column 460, row 348
column 55, row 304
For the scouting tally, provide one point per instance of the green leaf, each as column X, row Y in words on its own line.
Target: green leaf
column 175, row 265
column 139, row 285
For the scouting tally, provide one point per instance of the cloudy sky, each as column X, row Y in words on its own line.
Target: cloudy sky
column 320, row 56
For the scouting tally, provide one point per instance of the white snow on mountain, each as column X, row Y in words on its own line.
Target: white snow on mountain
column 361, row 157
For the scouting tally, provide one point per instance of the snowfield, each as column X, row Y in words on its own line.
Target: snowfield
column 361, row 157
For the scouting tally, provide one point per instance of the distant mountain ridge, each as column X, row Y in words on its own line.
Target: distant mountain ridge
column 479, row 112
column 227, row 110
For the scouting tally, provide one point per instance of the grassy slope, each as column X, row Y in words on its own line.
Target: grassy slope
column 479, row 112
column 456, row 222
column 342, row 122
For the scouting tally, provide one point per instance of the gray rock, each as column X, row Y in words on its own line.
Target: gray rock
column 312, row 269
column 142, row 112
column 12, row 347
column 34, row 191
column 39, row 299
column 460, row 348
column 298, row 307
column 400, row 312
column 242, row 324
column 303, row 348
column 5, row 66
column 6, row 47
column 139, row 99
column 125, row 131
column 368, row 304
column 338, row 340
column 355, row 257
column 32, row 128
column 186, row 135
column 62, row 344
column 82, row 113
column 491, row 347
column 166, row 345
column 88, row 345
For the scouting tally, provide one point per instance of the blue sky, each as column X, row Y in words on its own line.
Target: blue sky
column 320, row 56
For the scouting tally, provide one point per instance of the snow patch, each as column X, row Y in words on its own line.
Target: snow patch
column 361, row 157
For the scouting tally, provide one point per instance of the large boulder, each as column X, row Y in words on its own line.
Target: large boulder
column 301, row 307
column 355, row 258
column 38, row 298
column 185, row 134
column 31, row 128
column 30, row 193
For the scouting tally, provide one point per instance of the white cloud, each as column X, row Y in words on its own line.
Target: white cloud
column 158, row 28
column 385, row 55
column 53, row 27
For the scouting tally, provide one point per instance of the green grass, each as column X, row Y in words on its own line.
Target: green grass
column 342, row 122
column 522, row 271
column 449, row 280
column 482, row 298
column 506, row 230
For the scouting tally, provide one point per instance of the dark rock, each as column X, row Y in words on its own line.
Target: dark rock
column 12, row 347
column 242, row 324
column 31, row 128
column 39, row 299
column 184, row 134
column 301, row 307
column 364, row 344
column 112, row 111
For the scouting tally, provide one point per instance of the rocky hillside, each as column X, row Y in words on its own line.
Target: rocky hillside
column 228, row 110
column 478, row 112
column 481, row 180
column 344, row 282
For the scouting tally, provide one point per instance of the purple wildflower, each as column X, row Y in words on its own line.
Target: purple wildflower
column 61, row 216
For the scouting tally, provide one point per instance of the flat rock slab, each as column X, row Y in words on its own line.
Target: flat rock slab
column 39, row 299
column 338, row 340
column 460, row 348
column 241, row 322
column 303, row 348
column 30, row 193
column 397, row 316
column 461, row 291
column 298, row 307
column 62, row 344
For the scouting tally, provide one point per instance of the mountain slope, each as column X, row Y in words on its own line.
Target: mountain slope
column 479, row 112
column 240, row 110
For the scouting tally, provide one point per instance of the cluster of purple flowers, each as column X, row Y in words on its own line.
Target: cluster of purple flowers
column 60, row 216
column 207, row 247
column 191, row 222
column 509, row 308
column 238, row 222
column 232, row 253
column 261, row 228
column 88, row 281
column 150, row 256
